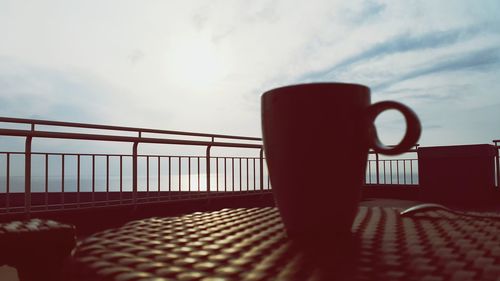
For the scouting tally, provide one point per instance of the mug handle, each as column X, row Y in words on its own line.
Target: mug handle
column 413, row 128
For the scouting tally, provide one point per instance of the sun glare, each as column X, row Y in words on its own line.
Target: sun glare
column 195, row 64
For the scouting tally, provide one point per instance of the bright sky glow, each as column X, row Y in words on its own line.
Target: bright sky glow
column 202, row 65
column 195, row 64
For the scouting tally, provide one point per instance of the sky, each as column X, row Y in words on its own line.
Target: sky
column 201, row 66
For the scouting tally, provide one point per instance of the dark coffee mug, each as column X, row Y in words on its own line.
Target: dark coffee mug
column 316, row 141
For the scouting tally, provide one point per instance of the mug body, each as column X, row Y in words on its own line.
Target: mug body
column 316, row 146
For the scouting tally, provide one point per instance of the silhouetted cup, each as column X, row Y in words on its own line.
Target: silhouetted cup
column 316, row 141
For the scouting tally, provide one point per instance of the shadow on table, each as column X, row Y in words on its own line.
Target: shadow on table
column 332, row 259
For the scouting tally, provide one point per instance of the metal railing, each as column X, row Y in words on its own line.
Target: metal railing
column 392, row 171
column 163, row 177
column 59, row 180
column 248, row 171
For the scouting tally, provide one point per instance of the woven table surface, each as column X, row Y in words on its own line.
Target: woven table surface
column 251, row 244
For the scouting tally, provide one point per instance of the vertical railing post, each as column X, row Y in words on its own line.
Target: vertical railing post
column 93, row 179
column 78, row 179
column 46, row 187
column 7, row 183
column 418, row 161
column 147, row 176
column 62, row 180
column 107, row 179
column 377, row 173
column 497, row 148
column 121, row 179
column 208, row 165
column 368, row 178
column 261, row 159
column 134, row 170
column 27, row 174
column 159, row 177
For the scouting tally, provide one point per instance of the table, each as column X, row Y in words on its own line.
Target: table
column 251, row 244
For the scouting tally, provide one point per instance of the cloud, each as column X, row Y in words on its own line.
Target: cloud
column 41, row 93
column 136, row 56
column 364, row 12
column 426, row 93
column 476, row 61
column 401, row 43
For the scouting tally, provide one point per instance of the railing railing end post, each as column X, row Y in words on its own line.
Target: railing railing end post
column 27, row 175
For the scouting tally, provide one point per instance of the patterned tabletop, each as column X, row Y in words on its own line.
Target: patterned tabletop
column 250, row 244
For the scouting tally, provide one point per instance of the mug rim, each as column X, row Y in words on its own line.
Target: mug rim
column 316, row 84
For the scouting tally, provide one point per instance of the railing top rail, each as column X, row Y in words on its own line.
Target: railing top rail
column 119, row 128
column 496, row 141
column 95, row 137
